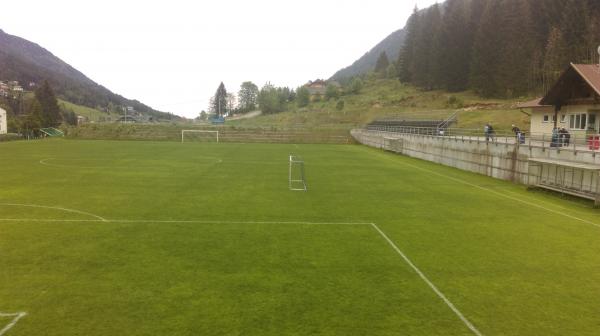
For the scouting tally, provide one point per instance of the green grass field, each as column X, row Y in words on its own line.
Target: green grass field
column 164, row 238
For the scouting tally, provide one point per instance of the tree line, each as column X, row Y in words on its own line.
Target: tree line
column 272, row 99
column 498, row 48
column 28, row 113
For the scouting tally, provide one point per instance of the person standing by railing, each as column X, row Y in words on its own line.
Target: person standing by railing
column 518, row 134
column 488, row 130
column 555, row 140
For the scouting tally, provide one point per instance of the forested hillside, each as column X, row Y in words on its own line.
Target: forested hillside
column 26, row 62
column 391, row 46
column 498, row 48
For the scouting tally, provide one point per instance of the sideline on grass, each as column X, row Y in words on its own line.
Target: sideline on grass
column 17, row 317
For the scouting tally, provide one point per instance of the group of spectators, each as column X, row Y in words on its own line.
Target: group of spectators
column 490, row 133
column 560, row 137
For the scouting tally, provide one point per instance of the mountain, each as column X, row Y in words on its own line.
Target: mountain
column 391, row 45
column 27, row 62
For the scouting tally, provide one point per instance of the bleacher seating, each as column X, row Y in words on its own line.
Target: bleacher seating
column 420, row 126
column 52, row 132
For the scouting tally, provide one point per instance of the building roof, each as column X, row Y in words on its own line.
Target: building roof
column 532, row 103
column 576, row 77
column 590, row 73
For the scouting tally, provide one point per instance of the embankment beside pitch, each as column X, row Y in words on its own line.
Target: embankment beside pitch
column 172, row 132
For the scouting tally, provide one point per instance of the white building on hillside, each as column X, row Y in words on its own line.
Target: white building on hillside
column 3, row 125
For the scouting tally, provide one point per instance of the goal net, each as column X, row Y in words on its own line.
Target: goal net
column 296, row 180
column 199, row 136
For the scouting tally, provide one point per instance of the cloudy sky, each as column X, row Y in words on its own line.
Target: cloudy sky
column 173, row 54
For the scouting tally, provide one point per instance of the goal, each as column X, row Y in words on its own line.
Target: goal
column 296, row 180
column 199, row 136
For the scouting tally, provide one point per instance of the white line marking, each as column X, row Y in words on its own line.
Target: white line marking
column 233, row 222
column 49, row 164
column 373, row 225
column 142, row 221
column 53, row 208
column 428, row 282
column 51, row 220
column 46, row 163
column 500, row 194
column 17, row 317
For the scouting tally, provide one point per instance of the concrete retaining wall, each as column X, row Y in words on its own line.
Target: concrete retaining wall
column 505, row 161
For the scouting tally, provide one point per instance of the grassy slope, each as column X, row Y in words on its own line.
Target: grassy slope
column 510, row 268
column 90, row 113
column 390, row 97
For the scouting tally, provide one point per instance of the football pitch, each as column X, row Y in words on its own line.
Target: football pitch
column 160, row 238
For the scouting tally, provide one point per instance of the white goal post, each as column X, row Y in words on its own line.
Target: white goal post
column 184, row 132
column 296, row 179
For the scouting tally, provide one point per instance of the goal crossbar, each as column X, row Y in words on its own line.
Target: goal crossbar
column 183, row 132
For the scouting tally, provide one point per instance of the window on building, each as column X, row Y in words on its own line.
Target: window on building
column 546, row 118
column 578, row 121
column 563, row 118
column 591, row 121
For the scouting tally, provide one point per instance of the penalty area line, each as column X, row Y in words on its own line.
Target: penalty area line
column 17, row 317
column 428, row 282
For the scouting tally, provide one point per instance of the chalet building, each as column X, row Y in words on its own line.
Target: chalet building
column 572, row 103
column 319, row 87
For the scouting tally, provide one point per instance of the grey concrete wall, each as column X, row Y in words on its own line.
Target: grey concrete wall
column 505, row 161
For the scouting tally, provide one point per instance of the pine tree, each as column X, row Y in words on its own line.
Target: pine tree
column 455, row 42
column 574, row 27
column 219, row 101
column 50, row 112
column 407, row 54
column 33, row 121
column 555, row 59
column 382, row 64
column 391, row 72
column 433, row 72
column 485, row 54
column 516, row 38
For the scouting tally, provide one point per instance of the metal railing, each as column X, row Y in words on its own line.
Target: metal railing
column 449, row 121
column 572, row 141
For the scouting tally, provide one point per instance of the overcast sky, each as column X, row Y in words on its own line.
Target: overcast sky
column 173, row 54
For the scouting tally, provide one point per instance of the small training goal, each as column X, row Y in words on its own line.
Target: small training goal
column 199, row 136
column 296, row 180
